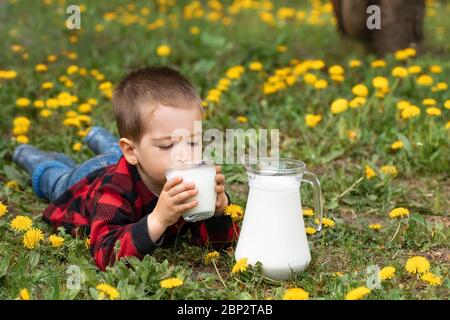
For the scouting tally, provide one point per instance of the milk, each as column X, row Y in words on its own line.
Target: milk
column 203, row 176
column 273, row 230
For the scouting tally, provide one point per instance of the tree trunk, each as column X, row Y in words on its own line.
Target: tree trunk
column 401, row 22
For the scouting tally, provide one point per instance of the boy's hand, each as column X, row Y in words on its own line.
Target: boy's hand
column 170, row 206
column 222, row 200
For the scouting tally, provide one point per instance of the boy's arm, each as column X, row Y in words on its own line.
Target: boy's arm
column 218, row 231
column 113, row 222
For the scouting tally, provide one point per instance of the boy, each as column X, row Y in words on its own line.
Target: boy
column 122, row 194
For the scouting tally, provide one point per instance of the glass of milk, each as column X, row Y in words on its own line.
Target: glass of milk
column 203, row 174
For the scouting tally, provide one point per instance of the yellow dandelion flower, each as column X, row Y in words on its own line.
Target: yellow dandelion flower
column 242, row 119
column 109, row 291
column 375, row 226
column 414, row 69
column 425, row 80
column 236, row 212
column 380, row 82
column 21, row 223
column 24, row 294
column 435, row 68
column 32, row 237
column 296, row 294
column 163, row 51
column 308, row 212
column 447, row 125
column 358, row 293
column 417, row 264
column 312, row 120
column 13, row 185
column 235, row 72
column 256, row 66
column 56, row 241
column 87, row 243
column 310, row 78
column 320, row 84
column 360, row 90
column 401, row 55
column 47, row 85
column 105, row 86
column 39, row 104
column 46, row 113
column 52, row 103
column 389, row 170
column 399, row 212
column 370, row 173
column 240, row 266
column 410, row 112
column 352, row 135
column 354, row 63
column 399, row 72
column 429, row 102
column 52, row 58
column 22, row 139
column 41, row 67
column 76, row 147
column 3, row 209
column 317, row 64
column 211, row 256
column 194, row 30
column 310, row 230
column 386, row 273
column 447, row 104
column 434, row 112
column 84, row 108
column 8, row 74
column 378, row 64
column 431, row 279
column 397, row 145
column 441, row 86
column 337, row 77
column 336, row 70
column 326, row 222
column 23, row 102
column 72, row 69
column 281, row 48
column 92, row 101
column 402, row 104
column 21, row 121
column 339, row 105
column 171, row 283
column 411, row 52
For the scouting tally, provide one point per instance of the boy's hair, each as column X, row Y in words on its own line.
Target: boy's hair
column 141, row 90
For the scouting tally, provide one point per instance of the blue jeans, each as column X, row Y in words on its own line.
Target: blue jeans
column 52, row 173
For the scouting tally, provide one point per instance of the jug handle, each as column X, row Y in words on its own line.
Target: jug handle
column 318, row 200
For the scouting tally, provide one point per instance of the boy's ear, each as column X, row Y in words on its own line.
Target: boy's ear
column 128, row 150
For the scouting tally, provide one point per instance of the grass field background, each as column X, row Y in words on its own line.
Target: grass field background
column 381, row 145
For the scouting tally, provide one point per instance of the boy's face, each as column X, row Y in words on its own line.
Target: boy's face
column 170, row 139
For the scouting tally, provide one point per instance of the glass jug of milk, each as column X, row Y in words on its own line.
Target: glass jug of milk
column 273, row 230
column 203, row 174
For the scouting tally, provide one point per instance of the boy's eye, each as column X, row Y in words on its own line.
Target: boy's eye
column 193, row 143
column 166, row 147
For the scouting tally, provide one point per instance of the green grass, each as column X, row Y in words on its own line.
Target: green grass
column 350, row 247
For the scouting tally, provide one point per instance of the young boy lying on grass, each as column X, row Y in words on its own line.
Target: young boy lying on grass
column 122, row 194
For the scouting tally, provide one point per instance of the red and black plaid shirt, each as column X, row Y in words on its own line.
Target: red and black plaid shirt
column 112, row 204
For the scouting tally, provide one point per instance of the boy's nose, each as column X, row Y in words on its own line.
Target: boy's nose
column 181, row 155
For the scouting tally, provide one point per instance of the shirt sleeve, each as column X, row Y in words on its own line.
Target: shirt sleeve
column 115, row 233
column 218, row 232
